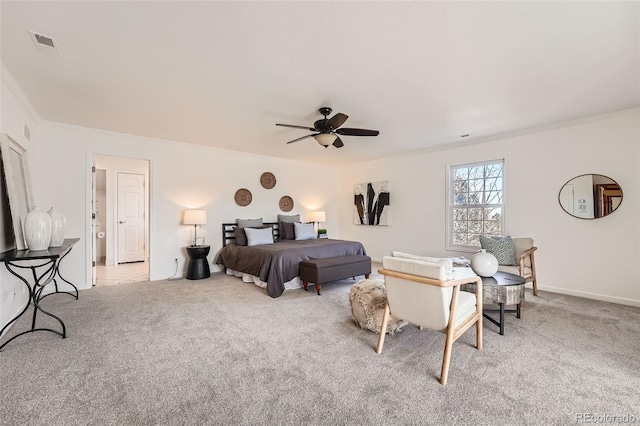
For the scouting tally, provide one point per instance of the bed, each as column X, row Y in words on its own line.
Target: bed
column 273, row 266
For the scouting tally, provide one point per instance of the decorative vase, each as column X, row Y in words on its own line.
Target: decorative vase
column 484, row 264
column 37, row 229
column 58, row 223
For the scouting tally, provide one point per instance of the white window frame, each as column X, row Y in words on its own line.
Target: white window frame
column 450, row 203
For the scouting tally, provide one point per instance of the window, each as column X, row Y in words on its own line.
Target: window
column 475, row 203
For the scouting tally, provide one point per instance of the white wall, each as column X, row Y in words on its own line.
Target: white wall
column 181, row 176
column 15, row 113
column 590, row 258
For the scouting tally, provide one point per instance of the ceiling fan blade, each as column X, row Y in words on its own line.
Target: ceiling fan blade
column 296, row 127
column 338, row 143
column 303, row 137
column 357, row 132
column 337, row 120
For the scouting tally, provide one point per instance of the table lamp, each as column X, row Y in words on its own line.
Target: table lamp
column 195, row 218
column 318, row 216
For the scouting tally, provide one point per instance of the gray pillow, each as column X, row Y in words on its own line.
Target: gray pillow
column 287, row 231
column 247, row 223
column 241, row 236
column 289, row 218
column 502, row 248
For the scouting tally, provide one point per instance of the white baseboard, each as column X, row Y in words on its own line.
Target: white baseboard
column 19, row 304
column 594, row 296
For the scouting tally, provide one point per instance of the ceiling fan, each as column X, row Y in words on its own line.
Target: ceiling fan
column 327, row 131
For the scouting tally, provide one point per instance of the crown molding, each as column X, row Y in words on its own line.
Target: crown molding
column 447, row 145
column 13, row 86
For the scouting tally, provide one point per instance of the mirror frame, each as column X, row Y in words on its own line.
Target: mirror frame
column 595, row 217
column 15, row 192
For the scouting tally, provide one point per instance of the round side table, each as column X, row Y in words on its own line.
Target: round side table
column 198, row 267
column 501, row 289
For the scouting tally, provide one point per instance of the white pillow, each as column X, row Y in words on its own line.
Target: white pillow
column 304, row 231
column 257, row 236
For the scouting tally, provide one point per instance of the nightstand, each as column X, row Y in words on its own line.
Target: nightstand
column 198, row 267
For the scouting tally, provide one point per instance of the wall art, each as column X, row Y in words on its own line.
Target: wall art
column 286, row 203
column 243, row 197
column 267, row 180
column 371, row 203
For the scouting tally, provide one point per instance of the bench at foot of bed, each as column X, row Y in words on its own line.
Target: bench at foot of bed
column 329, row 269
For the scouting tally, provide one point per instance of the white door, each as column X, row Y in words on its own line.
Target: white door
column 131, row 217
column 93, row 225
column 566, row 198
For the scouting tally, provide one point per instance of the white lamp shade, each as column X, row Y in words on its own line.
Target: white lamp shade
column 195, row 217
column 325, row 139
column 318, row 216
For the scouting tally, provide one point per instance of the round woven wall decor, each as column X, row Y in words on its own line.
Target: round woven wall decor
column 267, row 180
column 286, row 203
column 243, row 197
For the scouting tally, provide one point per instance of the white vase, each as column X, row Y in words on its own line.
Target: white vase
column 58, row 224
column 37, row 229
column 484, row 264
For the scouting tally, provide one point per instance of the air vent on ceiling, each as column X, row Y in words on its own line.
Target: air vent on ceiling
column 45, row 43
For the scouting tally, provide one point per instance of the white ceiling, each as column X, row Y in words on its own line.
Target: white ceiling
column 422, row 73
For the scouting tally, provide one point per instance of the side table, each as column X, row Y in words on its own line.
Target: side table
column 501, row 289
column 198, row 267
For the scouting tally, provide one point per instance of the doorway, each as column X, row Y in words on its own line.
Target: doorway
column 120, row 220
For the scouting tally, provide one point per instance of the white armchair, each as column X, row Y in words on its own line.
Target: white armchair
column 427, row 293
column 526, row 263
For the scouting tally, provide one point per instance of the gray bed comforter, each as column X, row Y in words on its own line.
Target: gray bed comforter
column 278, row 263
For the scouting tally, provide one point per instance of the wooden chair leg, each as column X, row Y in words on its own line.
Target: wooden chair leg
column 446, row 358
column 383, row 328
column 533, row 275
column 479, row 308
column 479, row 333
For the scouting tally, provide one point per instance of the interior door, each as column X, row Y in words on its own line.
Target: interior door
column 131, row 213
column 566, row 198
column 93, row 225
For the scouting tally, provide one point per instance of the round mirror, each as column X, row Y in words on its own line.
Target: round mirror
column 590, row 196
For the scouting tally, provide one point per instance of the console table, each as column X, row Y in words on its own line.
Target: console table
column 45, row 268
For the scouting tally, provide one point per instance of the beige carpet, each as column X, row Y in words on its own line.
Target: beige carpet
column 218, row 351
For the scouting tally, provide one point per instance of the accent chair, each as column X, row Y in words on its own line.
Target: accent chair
column 426, row 292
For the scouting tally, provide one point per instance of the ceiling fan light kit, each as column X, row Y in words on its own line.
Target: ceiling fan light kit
column 325, row 139
column 327, row 129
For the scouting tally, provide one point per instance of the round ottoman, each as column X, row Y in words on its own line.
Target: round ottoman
column 368, row 299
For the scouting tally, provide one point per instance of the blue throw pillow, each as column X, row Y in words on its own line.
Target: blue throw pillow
column 503, row 249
